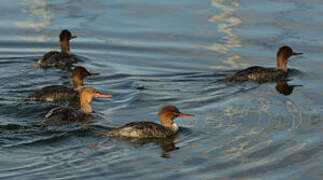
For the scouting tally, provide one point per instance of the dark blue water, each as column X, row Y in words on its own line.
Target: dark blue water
column 153, row 53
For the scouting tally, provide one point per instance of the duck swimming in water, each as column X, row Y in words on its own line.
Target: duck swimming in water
column 261, row 74
column 57, row 93
column 66, row 114
column 146, row 129
column 63, row 59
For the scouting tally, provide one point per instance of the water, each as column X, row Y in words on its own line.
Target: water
column 155, row 53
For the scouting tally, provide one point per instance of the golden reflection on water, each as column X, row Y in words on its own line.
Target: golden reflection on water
column 227, row 22
column 38, row 9
column 41, row 38
column 41, row 18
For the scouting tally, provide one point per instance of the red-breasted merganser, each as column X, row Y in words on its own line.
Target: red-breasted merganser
column 66, row 114
column 63, row 59
column 145, row 129
column 262, row 74
column 57, row 93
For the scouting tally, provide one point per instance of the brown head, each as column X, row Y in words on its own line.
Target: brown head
column 168, row 113
column 78, row 74
column 64, row 37
column 86, row 96
column 282, row 56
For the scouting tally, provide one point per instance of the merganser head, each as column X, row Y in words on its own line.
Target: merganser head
column 78, row 74
column 64, row 37
column 86, row 96
column 168, row 113
column 282, row 56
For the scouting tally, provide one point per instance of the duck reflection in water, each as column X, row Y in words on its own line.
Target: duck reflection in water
column 284, row 88
column 167, row 144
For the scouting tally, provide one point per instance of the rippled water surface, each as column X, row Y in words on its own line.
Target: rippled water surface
column 154, row 53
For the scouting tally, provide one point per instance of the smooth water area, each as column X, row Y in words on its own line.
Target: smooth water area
column 153, row 53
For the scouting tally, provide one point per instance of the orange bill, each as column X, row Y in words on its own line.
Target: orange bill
column 185, row 115
column 94, row 74
column 103, row 95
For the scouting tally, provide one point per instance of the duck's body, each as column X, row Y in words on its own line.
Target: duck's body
column 57, row 59
column 66, row 114
column 261, row 74
column 57, row 93
column 258, row 74
column 63, row 59
column 54, row 93
column 146, row 129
